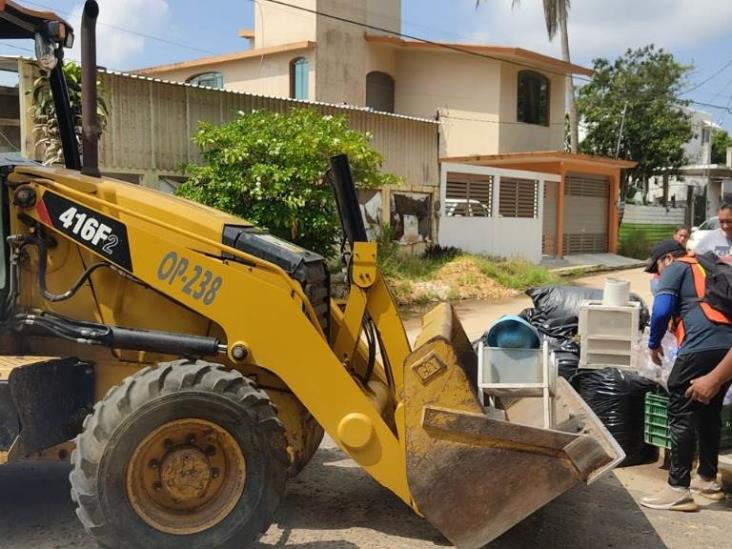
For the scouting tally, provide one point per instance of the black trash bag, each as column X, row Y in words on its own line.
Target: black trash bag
column 562, row 303
column 617, row 398
column 567, row 364
column 551, row 327
column 561, row 337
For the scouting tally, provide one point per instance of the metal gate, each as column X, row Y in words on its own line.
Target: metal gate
column 586, row 204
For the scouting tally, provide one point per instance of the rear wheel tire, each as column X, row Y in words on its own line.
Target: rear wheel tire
column 185, row 454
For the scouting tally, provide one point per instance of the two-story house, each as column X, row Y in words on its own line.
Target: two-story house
column 506, row 186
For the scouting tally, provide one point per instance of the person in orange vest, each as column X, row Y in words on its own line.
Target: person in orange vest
column 704, row 336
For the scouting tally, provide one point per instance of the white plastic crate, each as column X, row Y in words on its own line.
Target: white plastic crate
column 608, row 335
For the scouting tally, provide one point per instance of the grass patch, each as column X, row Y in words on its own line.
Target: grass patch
column 517, row 274
column 448, row 274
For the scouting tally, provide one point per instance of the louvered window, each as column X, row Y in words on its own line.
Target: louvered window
column 518, row 198
column 469, row 195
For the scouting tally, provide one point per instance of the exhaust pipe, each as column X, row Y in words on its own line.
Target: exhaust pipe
column 90, row 124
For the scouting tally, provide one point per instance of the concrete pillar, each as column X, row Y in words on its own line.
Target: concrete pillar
column 560, row 213
column 729, row 157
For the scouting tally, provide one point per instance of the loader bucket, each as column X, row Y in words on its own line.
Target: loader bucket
column 474, row 477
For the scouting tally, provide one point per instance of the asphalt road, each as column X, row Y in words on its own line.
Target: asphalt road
column 333, row 504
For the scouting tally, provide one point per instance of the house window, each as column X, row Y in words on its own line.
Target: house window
column 518, row 198
column 468, row 195
column 705, row 136
column 380, row 91
column 209, row 79
column 299, row 78
column 533, row 98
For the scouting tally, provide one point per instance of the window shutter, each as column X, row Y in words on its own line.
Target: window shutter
column 518, row 198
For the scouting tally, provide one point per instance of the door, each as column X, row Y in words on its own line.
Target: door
column 586, row 204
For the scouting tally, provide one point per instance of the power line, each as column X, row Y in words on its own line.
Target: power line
column 128, row 31
column 471, row 52
column 451, row 47
column 712, row 77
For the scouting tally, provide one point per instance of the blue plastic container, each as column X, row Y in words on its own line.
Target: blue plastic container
column 512, row 332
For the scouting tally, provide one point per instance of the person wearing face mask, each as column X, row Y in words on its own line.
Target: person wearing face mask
column 704, row 337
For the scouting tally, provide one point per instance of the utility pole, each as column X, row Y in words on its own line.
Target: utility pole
column 620, row 133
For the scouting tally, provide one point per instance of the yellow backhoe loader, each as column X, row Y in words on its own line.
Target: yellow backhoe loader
column 188, row 362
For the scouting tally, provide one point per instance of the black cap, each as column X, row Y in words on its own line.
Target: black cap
column 662, row 249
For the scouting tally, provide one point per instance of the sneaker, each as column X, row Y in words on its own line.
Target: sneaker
column 671, row 499
column 710, row 489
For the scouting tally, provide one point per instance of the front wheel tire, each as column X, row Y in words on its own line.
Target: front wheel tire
column 186, row 454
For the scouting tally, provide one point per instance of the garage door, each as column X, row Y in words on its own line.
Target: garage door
column 586, row 214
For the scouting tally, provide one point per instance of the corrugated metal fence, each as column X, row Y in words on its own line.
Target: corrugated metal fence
column 151, row 123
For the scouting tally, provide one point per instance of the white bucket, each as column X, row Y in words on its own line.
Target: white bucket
column 616, row 293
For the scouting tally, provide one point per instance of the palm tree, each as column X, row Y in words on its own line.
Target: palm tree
column 556, row 13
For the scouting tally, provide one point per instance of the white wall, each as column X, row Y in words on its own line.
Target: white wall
column 495, row 235
column 697, row 152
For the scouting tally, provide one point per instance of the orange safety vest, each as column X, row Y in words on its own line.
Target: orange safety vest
column 712, row 315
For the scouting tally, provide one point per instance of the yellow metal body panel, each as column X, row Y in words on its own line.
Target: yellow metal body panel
column 279, row 330
column 415, row 426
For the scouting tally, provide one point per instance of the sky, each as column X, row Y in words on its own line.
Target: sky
column 138, row 33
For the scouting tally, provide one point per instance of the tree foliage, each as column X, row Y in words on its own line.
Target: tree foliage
column 269, row 168
column 646, row 85
column 45, row 123
column 720, row 141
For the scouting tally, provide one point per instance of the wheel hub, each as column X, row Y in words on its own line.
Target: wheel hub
column 186, row 476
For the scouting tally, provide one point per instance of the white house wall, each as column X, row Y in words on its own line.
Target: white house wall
column 495, row 235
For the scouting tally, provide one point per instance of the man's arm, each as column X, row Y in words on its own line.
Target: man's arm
column 664, row 306
column 705, row 388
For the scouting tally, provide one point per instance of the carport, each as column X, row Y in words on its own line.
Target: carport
column 580, row 209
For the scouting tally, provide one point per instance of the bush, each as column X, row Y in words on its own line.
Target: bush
column 269, row 168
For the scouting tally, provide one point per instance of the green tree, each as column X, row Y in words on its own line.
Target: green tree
column 556, row 15
column 269, row 168
column 632, row 109
column 45, row 124
column 720, row 141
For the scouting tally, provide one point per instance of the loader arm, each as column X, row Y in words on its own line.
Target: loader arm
column 278, row 330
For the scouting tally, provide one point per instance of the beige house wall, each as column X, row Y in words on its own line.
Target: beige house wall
column 463, row 90
column 382, row 59
column 519, row 137
column 267, row 75
column 275, row 24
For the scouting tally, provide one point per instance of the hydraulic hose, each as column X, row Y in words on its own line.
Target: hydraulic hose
column 42, row 265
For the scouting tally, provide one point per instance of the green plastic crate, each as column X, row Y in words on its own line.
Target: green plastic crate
column 656, row 430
